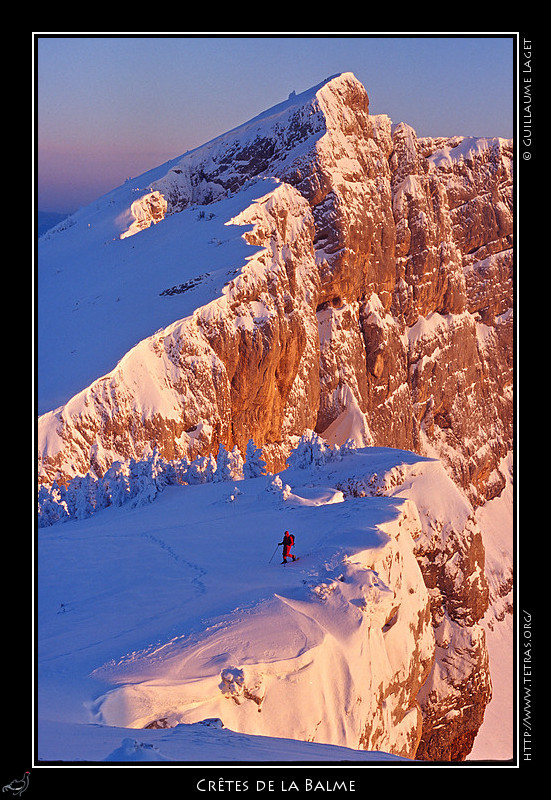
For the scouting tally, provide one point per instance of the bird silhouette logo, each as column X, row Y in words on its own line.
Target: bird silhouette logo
column 17, row 787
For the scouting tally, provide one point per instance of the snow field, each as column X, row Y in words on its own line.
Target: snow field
column 173, row 612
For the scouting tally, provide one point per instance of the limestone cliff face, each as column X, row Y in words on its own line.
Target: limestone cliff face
column 383, row 276
column 378, row 301
column 450, row 553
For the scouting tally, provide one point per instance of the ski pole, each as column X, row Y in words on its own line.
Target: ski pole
column 273, row 554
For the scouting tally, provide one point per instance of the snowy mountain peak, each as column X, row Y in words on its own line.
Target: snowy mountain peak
column 315, row 276
column 264, row 146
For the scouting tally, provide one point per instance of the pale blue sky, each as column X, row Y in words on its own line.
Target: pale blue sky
column 113, row 107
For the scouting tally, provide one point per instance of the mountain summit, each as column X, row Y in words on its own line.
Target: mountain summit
column 314, row 268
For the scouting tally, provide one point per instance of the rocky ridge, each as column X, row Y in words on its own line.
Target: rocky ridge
column 378, row 300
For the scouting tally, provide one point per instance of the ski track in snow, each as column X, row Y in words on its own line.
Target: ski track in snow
column 197, row 581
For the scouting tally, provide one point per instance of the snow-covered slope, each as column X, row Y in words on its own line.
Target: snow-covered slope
column 98, row 301
column 176, row 612
column 105, row 291
column 179, row 611
column 194, row 744
column 316, row 268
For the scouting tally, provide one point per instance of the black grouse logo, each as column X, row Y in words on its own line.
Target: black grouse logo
column 17, row 787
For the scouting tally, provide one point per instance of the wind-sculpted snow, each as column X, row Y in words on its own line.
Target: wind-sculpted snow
column 206, row 741
column 331, row 649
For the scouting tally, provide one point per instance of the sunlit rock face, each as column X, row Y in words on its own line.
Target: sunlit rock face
column 377, row 302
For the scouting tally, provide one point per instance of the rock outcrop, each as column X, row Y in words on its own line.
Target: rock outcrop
column 378, row 302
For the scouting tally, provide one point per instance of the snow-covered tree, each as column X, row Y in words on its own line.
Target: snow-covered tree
column 117, row 483
column 81, row 493
column 311, row 450
column 348, row 447
column 103, row 497
column 236, row 464
column 223, row 467
column 254, row 466
column 143, row 486
column 137, row 482
column 52, row 507
column 179, row 469
column 162, row 472
column 201, row 470
column 229, row 465
column 277, row 486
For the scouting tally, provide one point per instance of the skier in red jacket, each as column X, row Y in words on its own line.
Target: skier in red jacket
column 288, row 542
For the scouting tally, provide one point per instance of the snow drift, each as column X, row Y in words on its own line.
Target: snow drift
column 331, row 649
column 175, row 612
